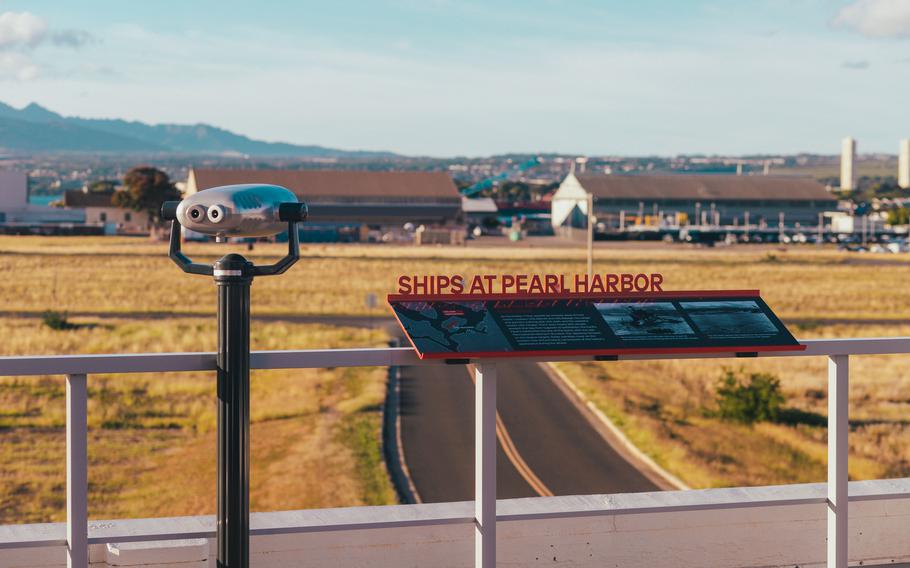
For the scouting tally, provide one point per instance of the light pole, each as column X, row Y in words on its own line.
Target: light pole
column 235, row 211
column 591, row 220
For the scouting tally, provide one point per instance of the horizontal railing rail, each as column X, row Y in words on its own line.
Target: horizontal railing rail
column 383, row 357
column 76, row 368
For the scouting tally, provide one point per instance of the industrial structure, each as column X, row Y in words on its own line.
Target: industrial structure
column 622, row 201
column 847, row 160
column 353, row 205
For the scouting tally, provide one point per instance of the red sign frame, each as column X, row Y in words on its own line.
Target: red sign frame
column 587, row 352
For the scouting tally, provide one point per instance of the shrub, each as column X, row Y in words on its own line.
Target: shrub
column 57, row 320
column 748, row 401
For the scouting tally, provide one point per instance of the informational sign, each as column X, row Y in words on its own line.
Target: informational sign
column 457, row 326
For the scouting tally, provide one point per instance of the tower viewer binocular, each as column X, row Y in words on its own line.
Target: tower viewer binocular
column 246, row 210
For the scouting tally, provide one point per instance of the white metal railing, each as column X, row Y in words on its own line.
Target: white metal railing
column 76, row 368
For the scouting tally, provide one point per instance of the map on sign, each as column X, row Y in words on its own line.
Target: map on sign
column 671, row 322
column 456, row 327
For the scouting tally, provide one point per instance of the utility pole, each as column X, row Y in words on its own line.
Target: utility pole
column 821, row 228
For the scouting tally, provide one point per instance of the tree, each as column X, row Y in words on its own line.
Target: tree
column 146, row 189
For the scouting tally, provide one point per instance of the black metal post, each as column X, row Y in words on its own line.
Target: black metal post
column 233, row 276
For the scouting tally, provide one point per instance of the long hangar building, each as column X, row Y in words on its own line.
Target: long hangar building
column 349, row 205
column 623, row 200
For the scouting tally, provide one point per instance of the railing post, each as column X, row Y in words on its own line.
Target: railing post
column 838, row 426
column 485, row 466
column 76, row 472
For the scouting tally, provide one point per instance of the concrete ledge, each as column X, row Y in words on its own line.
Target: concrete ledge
column 437, row 514
column 757, row 526
column 195, row 551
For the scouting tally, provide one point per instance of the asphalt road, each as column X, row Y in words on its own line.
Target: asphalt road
column 549, row 434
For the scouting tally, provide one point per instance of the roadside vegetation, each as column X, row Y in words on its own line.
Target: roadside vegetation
column 152, row 445
column 713, row 432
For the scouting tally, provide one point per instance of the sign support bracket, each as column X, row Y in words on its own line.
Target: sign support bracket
column 485, row 465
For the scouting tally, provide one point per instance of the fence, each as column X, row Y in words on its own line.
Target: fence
column 76, row 368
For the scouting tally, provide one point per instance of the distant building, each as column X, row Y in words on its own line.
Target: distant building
column 479, row 212
column 16, row 210
column 624, row 200
column 532, row 217
column 353, row 205
column 903, row 165
column 100, row 210
column 847, row 160
column 13, row 191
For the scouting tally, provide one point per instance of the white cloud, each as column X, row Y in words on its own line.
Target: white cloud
column 21, row 29
column 17, row 66
column 876, row 18
column 21, row 33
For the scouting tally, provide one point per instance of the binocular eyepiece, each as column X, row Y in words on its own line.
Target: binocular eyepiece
column 246, row 210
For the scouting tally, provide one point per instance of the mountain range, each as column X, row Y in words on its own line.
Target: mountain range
column 34, row 128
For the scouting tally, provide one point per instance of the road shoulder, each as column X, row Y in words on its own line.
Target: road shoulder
column 612, row 434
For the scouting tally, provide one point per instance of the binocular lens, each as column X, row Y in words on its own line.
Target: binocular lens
column 196, row 213
column 216, row 213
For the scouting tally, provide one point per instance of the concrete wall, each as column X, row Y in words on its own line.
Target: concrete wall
column 719, row 528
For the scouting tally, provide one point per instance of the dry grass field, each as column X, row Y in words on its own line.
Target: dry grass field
column 161, row 426
column 133, row 276
column 152, row 445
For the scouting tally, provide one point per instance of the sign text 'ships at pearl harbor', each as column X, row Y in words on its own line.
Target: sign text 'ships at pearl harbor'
column 529, row 284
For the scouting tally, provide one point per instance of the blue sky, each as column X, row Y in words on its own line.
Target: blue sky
column 449, row 78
